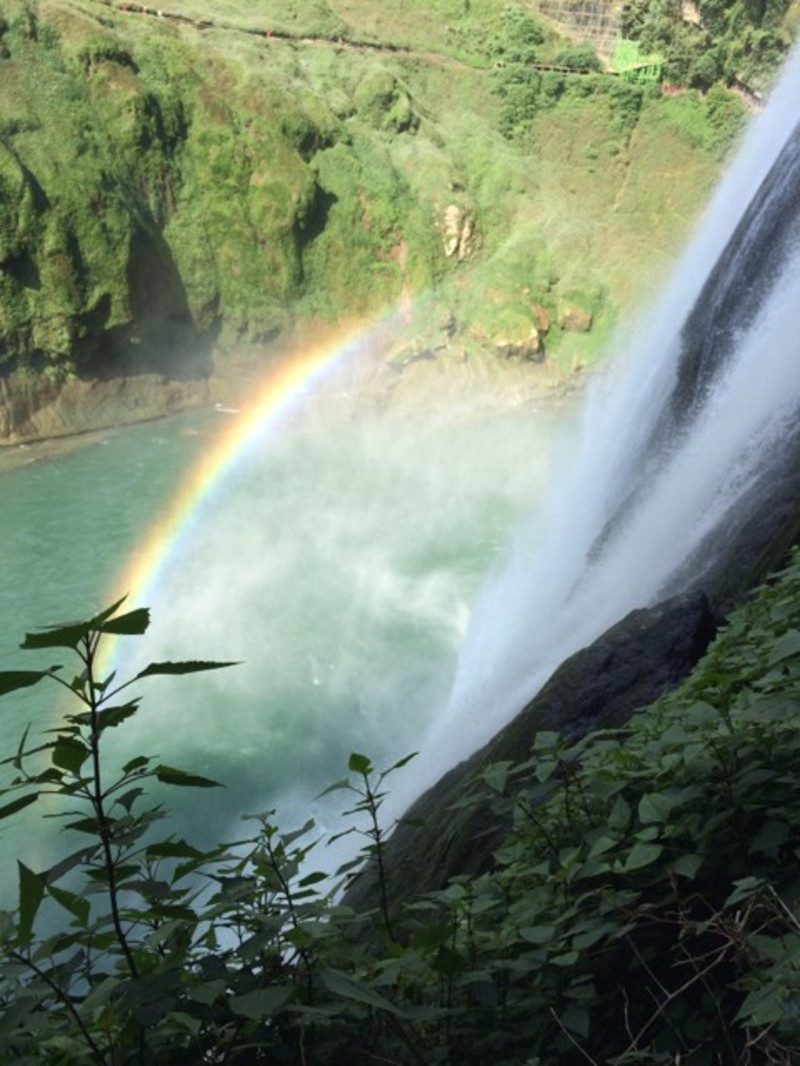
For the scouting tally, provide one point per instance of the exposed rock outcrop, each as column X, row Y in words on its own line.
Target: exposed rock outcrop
column 458, row 232
column 525, row 344
column 34, row 408
column 575, row 319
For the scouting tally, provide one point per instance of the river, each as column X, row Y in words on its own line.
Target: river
column 338, row 567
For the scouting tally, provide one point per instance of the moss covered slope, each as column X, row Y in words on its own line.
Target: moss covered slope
column 177, row 186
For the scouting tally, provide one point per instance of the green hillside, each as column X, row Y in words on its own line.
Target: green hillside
column 178, row 185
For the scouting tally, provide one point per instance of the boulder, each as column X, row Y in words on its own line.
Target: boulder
column 574, row 319
column 526, row 344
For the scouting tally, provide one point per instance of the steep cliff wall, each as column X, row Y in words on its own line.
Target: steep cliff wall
column 174, row 188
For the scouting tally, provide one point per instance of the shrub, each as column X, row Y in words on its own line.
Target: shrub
column 643, row 908
column 579, row 57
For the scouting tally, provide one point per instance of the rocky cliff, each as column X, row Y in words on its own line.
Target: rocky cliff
column 175, row 186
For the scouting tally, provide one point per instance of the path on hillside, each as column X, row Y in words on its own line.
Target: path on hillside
column 338, row 41
column 282, row 35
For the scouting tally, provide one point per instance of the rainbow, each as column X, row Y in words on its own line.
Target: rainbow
column 283, row 390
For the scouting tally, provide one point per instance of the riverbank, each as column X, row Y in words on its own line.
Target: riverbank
column 363, row 371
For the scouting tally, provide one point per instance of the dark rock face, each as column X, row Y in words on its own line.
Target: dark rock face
column 742, row 281
column 640, row 658
column 755, row 537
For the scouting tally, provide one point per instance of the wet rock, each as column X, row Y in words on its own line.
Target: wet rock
column 639, row 659
column 35, row 408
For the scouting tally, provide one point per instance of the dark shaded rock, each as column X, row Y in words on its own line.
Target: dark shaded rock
column 741, row 282
column 639, row 659
column 754, row 538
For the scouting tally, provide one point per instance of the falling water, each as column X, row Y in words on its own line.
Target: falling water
column 675, row 435
column 378, row 553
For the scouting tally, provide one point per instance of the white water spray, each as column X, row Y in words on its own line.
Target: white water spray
column 627, row 509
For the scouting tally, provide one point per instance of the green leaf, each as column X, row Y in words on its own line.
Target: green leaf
column 173, row 849
column 784, row 647
column 312, row 879
column 114, row 716
column 686, row 865
column 102, row 993
column 132, row 624
column 189, row 667
column 359, row 764
column 588, row 937
column 18, row 804
column 341, row 985
column 654, row 807
column 77, row 858
column 169, row 775
column 702, row 714
column 641, row 854
column 296, row 834
column 650, row 832
column 569, row 958
column 262, row 1003
column 546, row 740
column 17, row 760
column 84, row 825
column 76, row 905
column 208, row 991
column 338, row 786
column 544, row 770
column 620, row 814
column 135, row 764
column 108, row 612
column 69, row 754
column 763, row 1006
column 773, row 948
column 63, row 636
column 601, row 845
column 402, row 762
column 576, row 1019
column 496, row 775
column 12, row 680
column 430, row 937
column 538, row 934
column 743, row 888
column 31, row 893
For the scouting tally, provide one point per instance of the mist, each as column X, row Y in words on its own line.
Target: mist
column 337, row 565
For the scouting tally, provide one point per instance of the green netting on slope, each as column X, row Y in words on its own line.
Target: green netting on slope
column 630, row 64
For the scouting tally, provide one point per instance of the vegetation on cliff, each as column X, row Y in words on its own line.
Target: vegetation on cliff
column 714, row 41
column 643, row 908
column 175, row 185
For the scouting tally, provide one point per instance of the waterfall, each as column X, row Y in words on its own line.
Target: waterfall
column 676, row 437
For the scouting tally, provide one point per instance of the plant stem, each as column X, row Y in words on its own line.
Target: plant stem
column 66, row 1000
column 103, row 824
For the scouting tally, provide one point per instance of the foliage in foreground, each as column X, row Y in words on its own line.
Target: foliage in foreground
column 643, row 909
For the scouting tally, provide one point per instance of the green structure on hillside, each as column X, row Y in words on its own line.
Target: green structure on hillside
column 629, row 63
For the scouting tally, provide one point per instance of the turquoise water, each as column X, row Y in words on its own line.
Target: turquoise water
column 338, row 567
